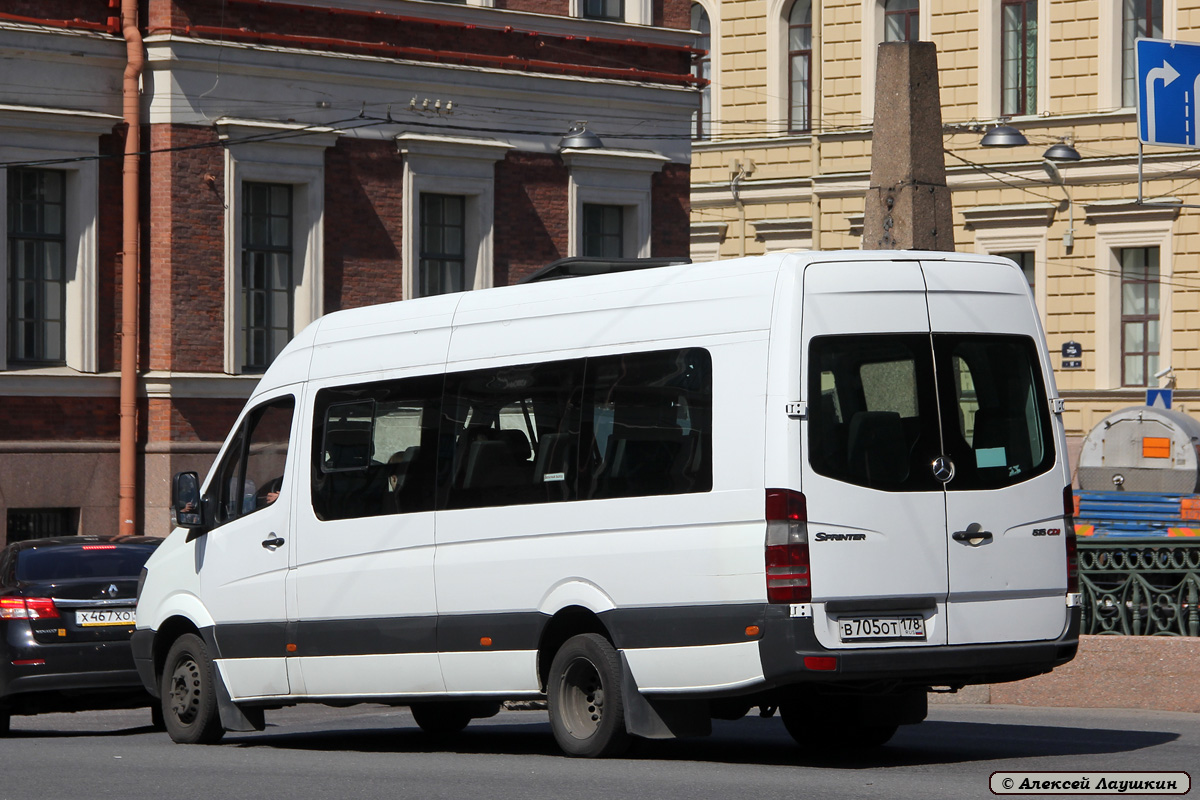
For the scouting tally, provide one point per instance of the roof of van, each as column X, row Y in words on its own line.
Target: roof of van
column 570, row 313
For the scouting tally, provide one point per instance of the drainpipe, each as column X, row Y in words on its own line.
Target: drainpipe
column 130, row 258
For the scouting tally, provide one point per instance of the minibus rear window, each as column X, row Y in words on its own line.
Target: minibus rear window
column 874, row 417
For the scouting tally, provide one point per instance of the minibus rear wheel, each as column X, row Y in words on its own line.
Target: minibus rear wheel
column 587, row 709
column 188, row 691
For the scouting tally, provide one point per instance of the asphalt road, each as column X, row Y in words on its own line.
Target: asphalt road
column 377, row 752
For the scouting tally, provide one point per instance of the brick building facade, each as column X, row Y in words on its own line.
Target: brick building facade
column 298, row 158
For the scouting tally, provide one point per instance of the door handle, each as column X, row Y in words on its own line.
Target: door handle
column 974, row 535
column 273, row 543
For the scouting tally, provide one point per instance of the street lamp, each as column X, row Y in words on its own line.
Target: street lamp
column 1003, row 136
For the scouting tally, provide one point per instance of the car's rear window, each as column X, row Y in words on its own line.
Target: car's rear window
column 97, row 560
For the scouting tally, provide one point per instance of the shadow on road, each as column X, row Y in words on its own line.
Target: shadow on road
column 749, row 741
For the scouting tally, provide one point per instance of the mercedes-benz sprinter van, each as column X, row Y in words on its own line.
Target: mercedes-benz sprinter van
column 818, row 483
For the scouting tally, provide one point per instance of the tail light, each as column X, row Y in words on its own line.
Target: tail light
column 788, row 577
column 27, row 608
column 1072, row 545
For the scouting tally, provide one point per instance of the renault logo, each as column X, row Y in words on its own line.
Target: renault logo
column 112, row 590
column 943, row 469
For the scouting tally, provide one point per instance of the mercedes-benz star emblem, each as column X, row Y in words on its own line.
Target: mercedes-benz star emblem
column 943, row 469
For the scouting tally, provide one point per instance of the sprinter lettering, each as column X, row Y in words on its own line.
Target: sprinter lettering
column 840, row 537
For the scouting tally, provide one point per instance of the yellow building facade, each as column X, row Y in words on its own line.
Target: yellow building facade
column 781, row 160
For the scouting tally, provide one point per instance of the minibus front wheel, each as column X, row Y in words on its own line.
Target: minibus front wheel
column 587, row 709
column 188, row 693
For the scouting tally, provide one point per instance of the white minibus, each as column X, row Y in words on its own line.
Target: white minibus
column 822, row 484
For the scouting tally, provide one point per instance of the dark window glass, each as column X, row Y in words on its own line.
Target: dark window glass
column 443, row 259
column 515, row 434
column 1139, row 315
column 251, row 472
column 603, row 231
column 648, row 424
column 37, row 523
column 1018, row 57
column 36, row 266
column 613, row 10
column 702, row 68
column 800, row 67
column 1024, row 259
column 874, row 418
column 267, row 280
column 378, row 446
column 76, row 561
column 1138, row 18
column 901, row 20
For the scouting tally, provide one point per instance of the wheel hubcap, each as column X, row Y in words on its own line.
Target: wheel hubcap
column 185, row 690
column 582, row 695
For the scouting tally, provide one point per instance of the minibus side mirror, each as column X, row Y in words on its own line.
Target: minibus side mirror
column 186, row 504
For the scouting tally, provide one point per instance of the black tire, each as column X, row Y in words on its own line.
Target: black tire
column 824, row 733
column 188, row 690
column 441, row 719
column 5, row 723
column 587, row 708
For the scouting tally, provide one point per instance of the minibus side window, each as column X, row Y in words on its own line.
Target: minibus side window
column 648, row 424
column 512, row 435
column 375, row 448
column 251, row 475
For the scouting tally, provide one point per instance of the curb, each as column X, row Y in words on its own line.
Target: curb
column 1159, row 673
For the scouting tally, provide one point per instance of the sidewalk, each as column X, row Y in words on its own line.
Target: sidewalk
column 1150, row 672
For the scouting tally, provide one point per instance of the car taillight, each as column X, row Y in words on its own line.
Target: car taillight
column 788, row 577
column 1072, row 545
column 27, row 608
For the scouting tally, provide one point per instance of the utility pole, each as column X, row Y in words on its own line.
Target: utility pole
column 908, row 203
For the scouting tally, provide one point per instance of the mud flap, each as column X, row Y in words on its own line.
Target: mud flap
column 233, row 716
column 655, row 718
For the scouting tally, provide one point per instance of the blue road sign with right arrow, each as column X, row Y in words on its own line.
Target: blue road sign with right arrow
column 1168, row 75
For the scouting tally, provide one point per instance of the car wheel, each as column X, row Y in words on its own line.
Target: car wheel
column 587, row 710
column 821, row 733
column 189, row 698
column 441, row 719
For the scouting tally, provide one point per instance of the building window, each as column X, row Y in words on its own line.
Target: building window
column 1139, row 315
column 1025, row 260
column 36, row 266
column 800, row 67
column 37, row 523
column 613, row 10
column 266, row 272
column 443, row 261
column 1138, row 18
column 702, row 68
column 901, row 20
column 1018, row 56
column 603, row 231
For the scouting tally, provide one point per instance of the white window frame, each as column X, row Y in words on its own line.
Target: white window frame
column 990, row 50
column 38, row 134
column 713, row 9
column 637, row 12
column 1111, row 19
column 454, row 166
column 613, row 178
column 872, row 37
column 1111, row 237
column 297, row 160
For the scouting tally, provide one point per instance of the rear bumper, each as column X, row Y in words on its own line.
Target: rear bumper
column 787, row 642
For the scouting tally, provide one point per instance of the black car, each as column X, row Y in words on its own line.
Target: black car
column 66, row 615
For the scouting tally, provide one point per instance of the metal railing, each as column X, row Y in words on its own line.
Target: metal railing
column 1140, row 587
